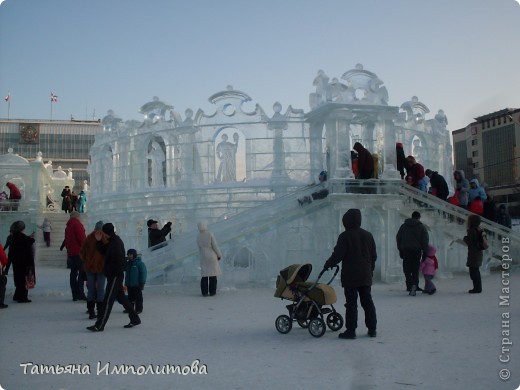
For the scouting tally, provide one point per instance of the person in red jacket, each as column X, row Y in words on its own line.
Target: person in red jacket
column 74, row 237
column 14, row 195
column 3, row 278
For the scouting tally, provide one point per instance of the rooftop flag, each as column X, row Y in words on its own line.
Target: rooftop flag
column 8, row 97
column 54, row 98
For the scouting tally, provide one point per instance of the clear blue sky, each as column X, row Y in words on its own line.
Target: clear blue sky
column 461, row 56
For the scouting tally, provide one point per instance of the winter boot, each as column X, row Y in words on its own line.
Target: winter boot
column 413, row 290
column 91, row 310
column 99, row 307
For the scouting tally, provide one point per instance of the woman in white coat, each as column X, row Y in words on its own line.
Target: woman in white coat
column 209, row 258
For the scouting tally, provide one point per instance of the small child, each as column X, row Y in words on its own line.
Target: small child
column 428, row 267
column 135, row 279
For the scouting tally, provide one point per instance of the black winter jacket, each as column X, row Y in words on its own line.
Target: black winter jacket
column 412, row 235
column 114, row 253
column 356, row 250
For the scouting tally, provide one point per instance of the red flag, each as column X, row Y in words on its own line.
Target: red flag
column 54, row 98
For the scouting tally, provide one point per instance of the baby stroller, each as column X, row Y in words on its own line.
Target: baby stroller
column 308, row 299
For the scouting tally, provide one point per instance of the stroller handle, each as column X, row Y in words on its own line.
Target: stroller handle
column 333, row 276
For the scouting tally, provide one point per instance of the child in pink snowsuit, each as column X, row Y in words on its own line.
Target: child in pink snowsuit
column 428, row 268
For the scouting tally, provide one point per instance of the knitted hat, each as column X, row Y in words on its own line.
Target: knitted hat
column 109, row 229
column 99, row 225
column 74, row 214
column 133, row 252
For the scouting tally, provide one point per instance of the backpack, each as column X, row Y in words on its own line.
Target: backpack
column 481, row 240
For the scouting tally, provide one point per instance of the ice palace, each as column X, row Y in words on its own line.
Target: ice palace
column 243, row 171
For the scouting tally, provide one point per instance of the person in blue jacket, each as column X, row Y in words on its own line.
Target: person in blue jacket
column 135, row 279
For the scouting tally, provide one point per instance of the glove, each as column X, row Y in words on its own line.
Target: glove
column 327, row 265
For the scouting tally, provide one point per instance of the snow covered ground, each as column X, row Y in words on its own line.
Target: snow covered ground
column 451, row 340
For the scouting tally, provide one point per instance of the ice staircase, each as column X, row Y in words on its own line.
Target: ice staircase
column 502, row 240
column 447, row 219
column 235, row 229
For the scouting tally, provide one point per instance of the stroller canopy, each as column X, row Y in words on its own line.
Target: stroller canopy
column 296, row 273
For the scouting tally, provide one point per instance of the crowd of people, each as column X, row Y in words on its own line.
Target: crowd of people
column 100, row 260
column 73, row 201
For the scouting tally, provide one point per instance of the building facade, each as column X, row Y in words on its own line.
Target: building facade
column 65, row 144
column 488, row 150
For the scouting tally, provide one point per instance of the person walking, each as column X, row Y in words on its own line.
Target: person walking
column 438, row 185
column 356, row 251
column 210, row 256
column 74, row 237
column 46, row 228
column 21, row 257
column 461, row 188
column 476, row 241
column 114, row 257
column 428, row 268
column 93, row 263
column 412, row 244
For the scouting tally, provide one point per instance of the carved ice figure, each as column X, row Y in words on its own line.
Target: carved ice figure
column 226, row 153
column 441, row 118
column 175, row 117
column 322, row 94
column 110, row 122
column 340, row 93
column 156, row 157
column 155, row 110
column 415, row 110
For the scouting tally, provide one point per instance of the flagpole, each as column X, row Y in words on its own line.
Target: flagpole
column 8, row 99
column 51, row 106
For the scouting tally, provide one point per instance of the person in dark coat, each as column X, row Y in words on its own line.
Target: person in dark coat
column 66, row 204
column 475, row 253
column 438, row 185
column 365, row 162
column 356, row 250
column 503, row 217
column 412, row 244
column 21, row 256
column 401, row 163
column 113, row 269
column 156, row 235
column 490, row 209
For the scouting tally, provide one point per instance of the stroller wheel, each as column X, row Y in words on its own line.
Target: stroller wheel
column 303, row 323
column 283, row 324
column 334, row 321
column 317, row 327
